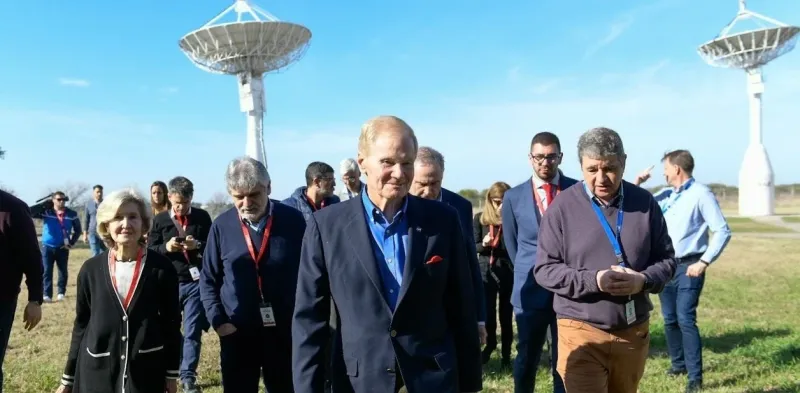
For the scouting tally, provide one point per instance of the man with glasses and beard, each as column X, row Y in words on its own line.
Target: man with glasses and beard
column 318, row 191
column 523, row 207
column 61, row 229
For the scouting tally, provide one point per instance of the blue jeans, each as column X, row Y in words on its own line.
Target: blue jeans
column 96, row 244
column 7, row 309
column 531, row 336
column 194, row 323
column 679, row 301
column 58, row 257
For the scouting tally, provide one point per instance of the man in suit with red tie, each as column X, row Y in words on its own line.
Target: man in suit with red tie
column 523, row 207
column 396, row 268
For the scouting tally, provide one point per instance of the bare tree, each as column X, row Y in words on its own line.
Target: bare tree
column 2, row 154
column 218, row 203
column 77, row 192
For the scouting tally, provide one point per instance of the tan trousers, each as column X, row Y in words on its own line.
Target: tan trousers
column 591, row 360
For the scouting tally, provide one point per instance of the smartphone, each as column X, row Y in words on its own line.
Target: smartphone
column 180, row 239
column 650, row 168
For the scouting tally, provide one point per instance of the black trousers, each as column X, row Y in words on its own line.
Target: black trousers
column 497, row 289
column 252, row 353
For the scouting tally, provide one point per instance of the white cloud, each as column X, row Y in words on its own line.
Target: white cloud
column 169, row 90
column 73, row 82
column 615, row 30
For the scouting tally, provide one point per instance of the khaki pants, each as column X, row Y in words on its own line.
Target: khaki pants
column 591, row 360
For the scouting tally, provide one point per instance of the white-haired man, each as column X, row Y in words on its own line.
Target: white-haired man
column 351, row 177
column 396, row 267
column 248, row 279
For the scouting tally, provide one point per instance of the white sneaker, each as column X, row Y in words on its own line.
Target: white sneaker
column 60, row 297
column 47, row 299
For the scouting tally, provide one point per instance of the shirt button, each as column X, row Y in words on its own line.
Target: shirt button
column 393, row 333
column 391, row 291
column 388, row 260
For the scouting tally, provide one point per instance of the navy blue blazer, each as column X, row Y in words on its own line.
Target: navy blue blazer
column 464, row 209
column 432, row 334
column 521, row 233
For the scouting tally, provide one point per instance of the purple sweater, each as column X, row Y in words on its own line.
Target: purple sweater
column 573, row 247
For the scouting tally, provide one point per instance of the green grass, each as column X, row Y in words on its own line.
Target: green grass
column 749, row 317
column 743, row 224
column 791, row 219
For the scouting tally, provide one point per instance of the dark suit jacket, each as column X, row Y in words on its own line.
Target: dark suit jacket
column 521, row 234
column 164, row 229
column 464, row 209
column 431, row 335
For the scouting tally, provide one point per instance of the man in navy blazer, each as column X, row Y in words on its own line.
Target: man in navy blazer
column 396, row 267
column 522, row 211
column 428, row 175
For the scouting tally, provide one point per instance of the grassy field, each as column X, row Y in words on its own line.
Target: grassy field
column 749, row 318
column 743, row 224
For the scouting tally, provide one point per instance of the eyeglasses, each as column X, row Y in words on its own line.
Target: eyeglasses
column 59, row 199
column 548, row 157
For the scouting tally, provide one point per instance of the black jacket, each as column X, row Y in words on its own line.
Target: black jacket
column 164, row 229
column 111, row 347
column 485, row 252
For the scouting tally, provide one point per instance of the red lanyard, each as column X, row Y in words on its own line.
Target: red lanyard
column 262, row 250
column 184, row 220
column 495, row 241
column 538, row 199
column 137, row 270
column 313, row 207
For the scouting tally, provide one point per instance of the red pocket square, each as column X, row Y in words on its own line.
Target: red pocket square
column 434, row 259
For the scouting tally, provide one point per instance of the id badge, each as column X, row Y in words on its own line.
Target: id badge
column 630, row 312
column 195, row 272
column 267, row 317
column 66, row 242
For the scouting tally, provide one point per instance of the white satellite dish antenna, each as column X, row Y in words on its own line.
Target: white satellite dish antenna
column 750, row 50
column 248, row 49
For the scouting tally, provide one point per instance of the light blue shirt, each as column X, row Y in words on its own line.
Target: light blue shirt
column 691, row 211
column 390, row 242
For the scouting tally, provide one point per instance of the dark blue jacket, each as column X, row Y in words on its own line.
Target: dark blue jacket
column 521, row 217
column 432, row 334
column 298, row 201
column 228, row 284
column 464, row 209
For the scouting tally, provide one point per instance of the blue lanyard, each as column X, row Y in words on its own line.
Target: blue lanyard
column 614, row 238
column 678, row 194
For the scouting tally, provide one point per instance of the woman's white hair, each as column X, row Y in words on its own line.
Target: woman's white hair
column 108, row 209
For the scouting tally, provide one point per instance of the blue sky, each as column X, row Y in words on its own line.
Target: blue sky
column 98, row 92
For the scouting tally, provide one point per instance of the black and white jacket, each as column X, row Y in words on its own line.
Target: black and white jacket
column 116, row 351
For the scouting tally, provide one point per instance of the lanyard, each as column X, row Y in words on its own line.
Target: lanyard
column 137, row 270
column 314, row 207
column 678, row 195
column 495, row 241
column 261, row 251
column 613, row 238
column 60, row 217
column 538, row 199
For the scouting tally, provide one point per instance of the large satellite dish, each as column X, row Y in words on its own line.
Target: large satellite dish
column 248, row 49
column 750, row 50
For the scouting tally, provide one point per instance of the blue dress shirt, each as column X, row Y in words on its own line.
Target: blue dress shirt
column 389, row 244
column 691, row 211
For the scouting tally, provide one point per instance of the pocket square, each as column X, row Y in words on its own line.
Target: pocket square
column 434, row 259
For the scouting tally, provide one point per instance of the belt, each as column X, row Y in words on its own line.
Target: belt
column 689, row 258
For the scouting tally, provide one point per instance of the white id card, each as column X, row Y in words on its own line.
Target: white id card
column 630, row 312
column 195, row 272
column 267, row 316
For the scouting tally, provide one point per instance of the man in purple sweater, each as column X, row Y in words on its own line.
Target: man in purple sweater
column 602, row 271
column 19, row 254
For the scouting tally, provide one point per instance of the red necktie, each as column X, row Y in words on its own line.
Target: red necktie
column 548, row 190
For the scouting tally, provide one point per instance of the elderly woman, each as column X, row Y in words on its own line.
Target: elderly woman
column 126, row 337
column 497, row 272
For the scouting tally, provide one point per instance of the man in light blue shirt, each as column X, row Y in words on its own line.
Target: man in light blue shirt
column 691, row 210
